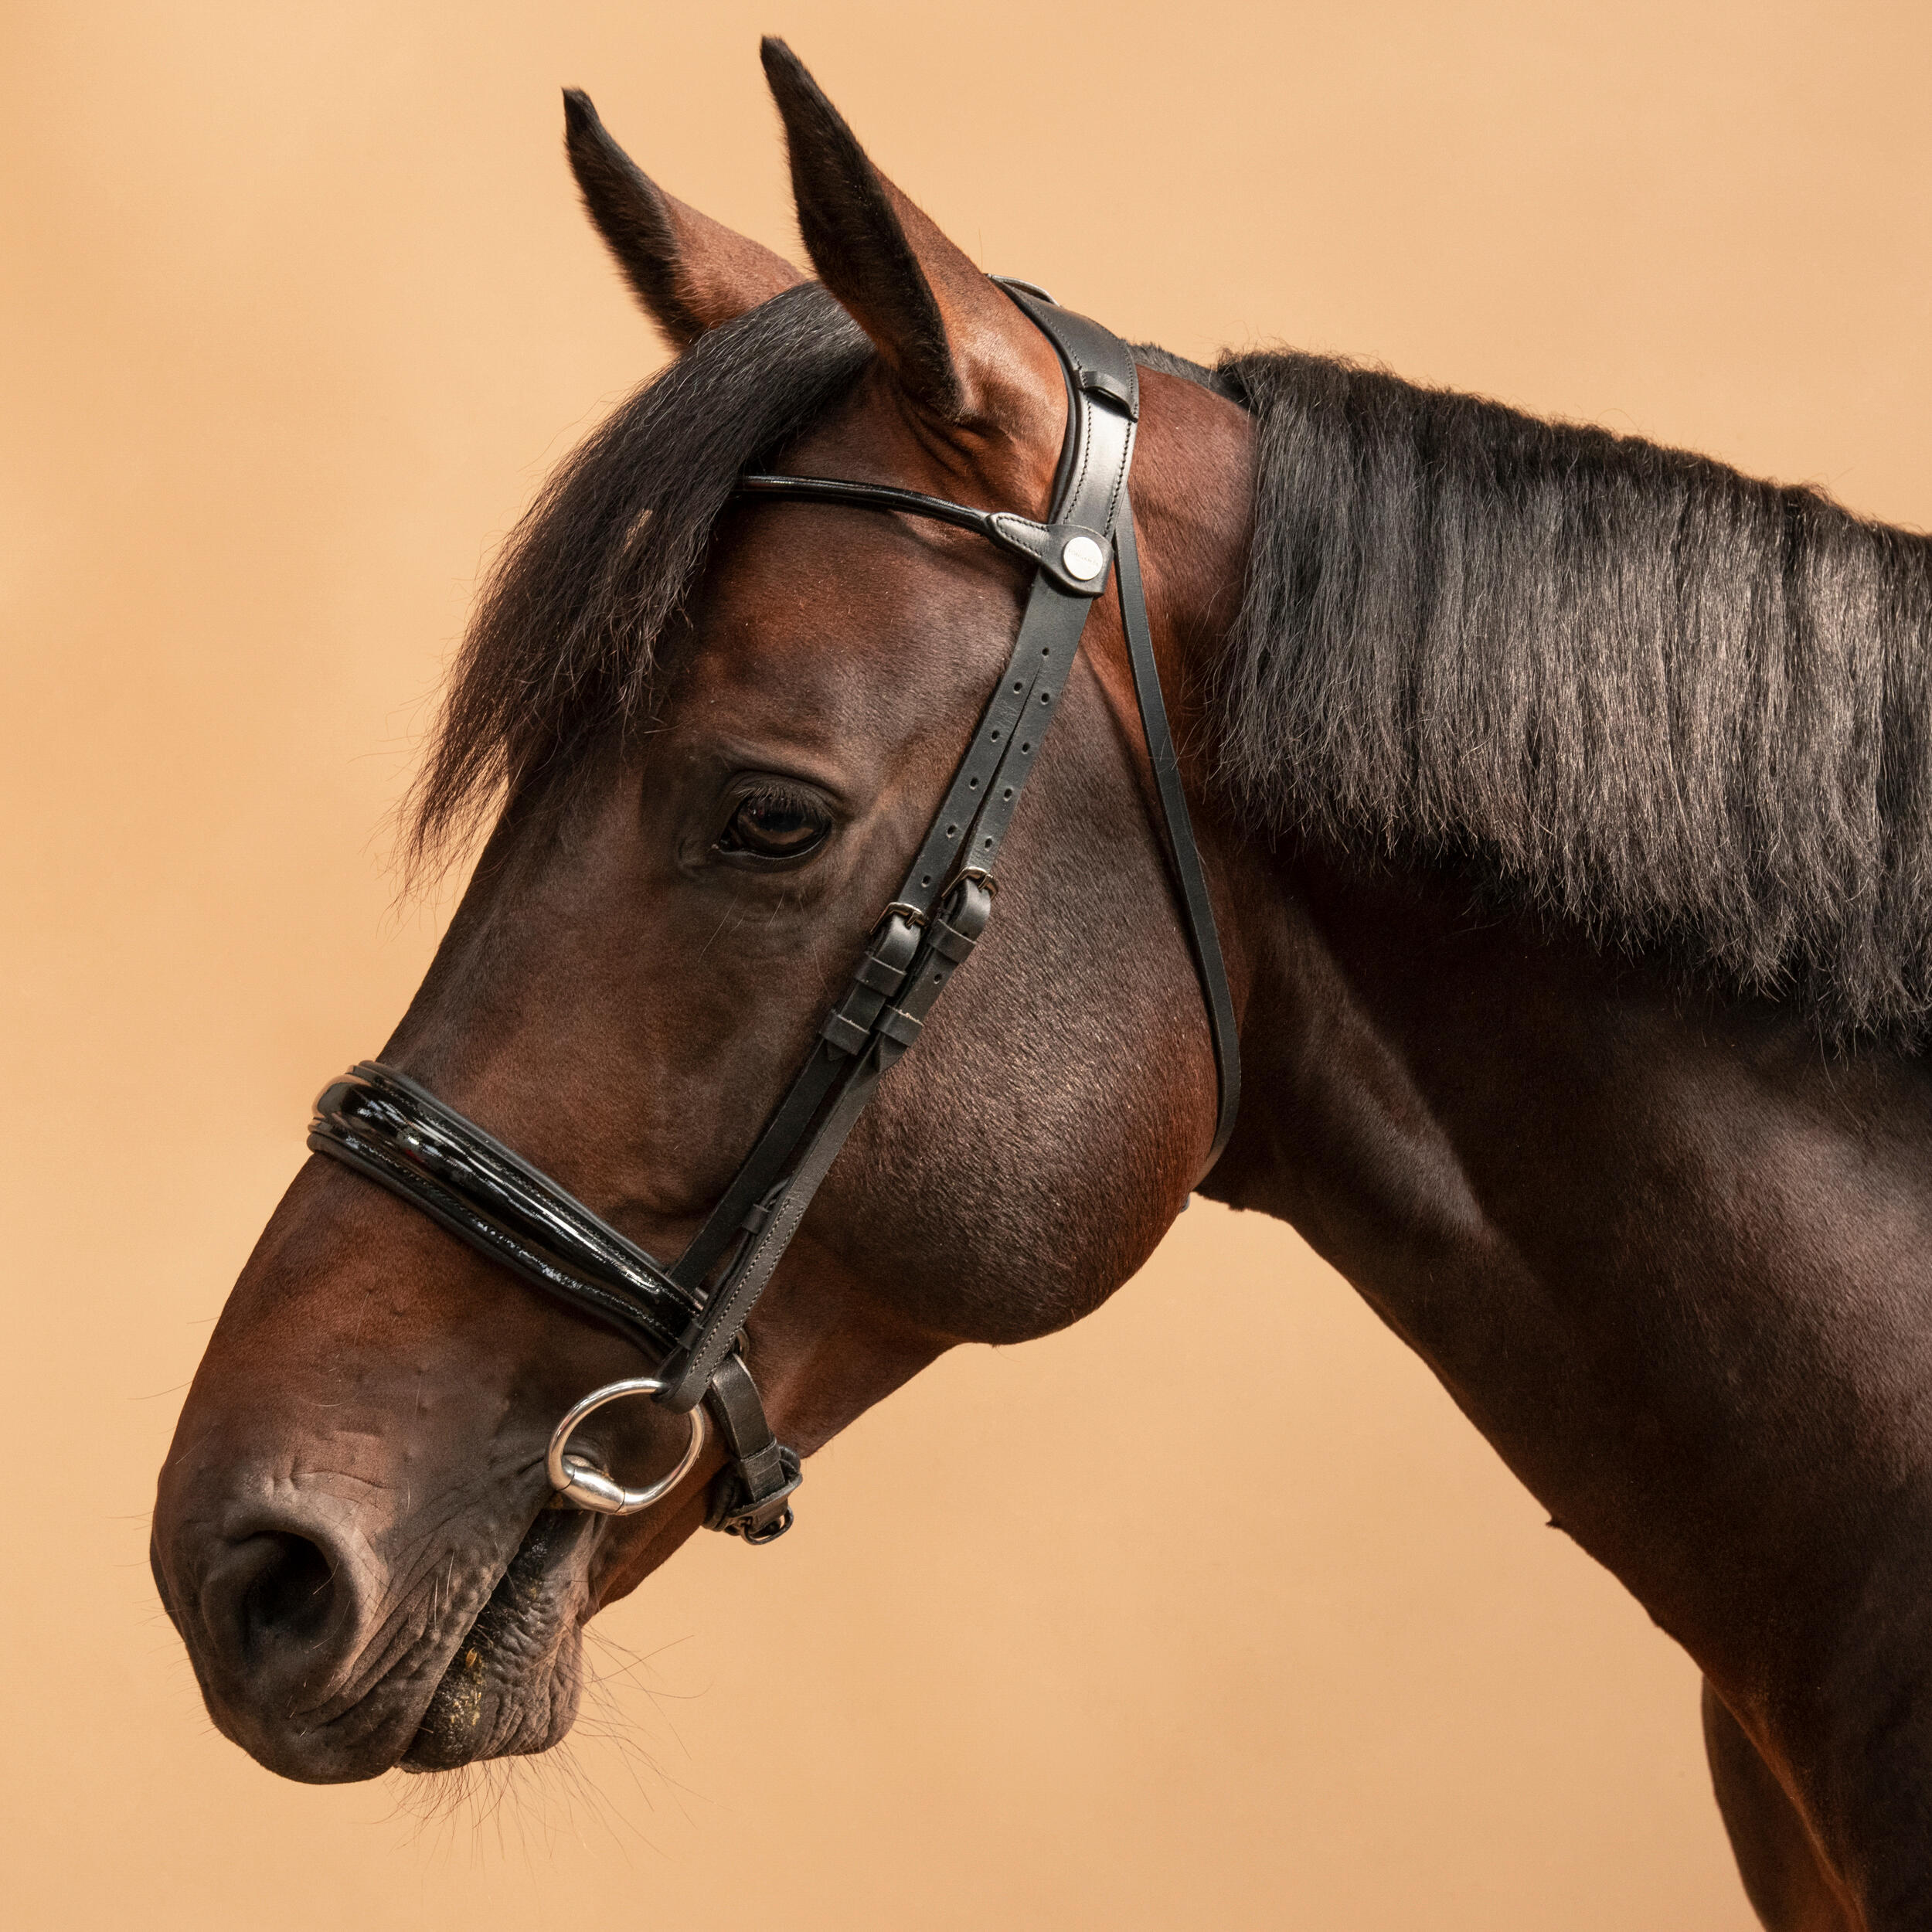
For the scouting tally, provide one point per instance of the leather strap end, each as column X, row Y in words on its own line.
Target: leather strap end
column 838, row 1031
column 900, row 1026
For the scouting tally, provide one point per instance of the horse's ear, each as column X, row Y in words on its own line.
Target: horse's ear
column 690, row 272
column 958, row 346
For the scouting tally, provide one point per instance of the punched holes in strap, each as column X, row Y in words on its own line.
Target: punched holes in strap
column 892, row 989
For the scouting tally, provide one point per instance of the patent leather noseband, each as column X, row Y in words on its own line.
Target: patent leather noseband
column 688, row 1316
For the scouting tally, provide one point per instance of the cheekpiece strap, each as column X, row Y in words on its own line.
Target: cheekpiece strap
column 949, row 880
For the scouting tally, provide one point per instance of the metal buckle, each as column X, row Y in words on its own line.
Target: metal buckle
column 770, row 1534
column 963, row 916
column 736, row 1520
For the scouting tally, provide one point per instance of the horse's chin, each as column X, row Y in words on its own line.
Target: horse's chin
column 512, row 1684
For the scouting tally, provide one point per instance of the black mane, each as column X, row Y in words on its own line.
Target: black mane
column 1617, row 684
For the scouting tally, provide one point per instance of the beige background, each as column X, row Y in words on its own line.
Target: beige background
column 297, row 311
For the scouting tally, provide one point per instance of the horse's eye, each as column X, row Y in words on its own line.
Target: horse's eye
column 776, row 825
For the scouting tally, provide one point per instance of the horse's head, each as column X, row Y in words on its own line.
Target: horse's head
column 719, row 729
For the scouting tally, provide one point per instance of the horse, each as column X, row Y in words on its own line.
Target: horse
column 1565, row 805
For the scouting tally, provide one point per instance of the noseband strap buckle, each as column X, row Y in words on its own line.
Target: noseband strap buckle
column 752, row 1497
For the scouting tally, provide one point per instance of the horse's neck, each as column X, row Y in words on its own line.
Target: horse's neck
column 1666, row 1255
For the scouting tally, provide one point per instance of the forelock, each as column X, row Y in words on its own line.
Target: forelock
column 561, row 653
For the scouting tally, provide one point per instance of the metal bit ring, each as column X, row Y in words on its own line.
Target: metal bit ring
column 587, row 1486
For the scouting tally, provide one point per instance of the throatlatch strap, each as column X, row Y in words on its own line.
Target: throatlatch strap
column 1184, row 854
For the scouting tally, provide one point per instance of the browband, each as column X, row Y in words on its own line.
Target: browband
column 690, row 1315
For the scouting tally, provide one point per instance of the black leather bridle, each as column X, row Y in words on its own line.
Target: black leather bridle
column 690, row 1315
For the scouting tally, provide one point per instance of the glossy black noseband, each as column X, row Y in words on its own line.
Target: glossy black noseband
column 689, row 1316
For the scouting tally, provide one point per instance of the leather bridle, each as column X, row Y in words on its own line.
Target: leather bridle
column 690, row 1315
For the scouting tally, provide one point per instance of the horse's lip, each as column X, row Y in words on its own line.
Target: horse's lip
column 372, row 1728
column 526, row 1582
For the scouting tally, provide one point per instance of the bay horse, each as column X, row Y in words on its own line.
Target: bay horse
column 1566, row 806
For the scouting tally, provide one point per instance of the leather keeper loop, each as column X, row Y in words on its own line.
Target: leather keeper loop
column 1124, row 396
column 894, row 941
column 950, row 943
column 760, row 1211
column 898, row 1026
column 968, row 908
column 690, row 1315
column 759, row 1518
column 880, row 977
column 841, row 1033
column 750, row 1497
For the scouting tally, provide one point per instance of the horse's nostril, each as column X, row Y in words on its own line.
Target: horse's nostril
column 288, row 1595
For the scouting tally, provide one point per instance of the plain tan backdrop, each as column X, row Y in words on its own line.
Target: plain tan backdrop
column 1212, row 1611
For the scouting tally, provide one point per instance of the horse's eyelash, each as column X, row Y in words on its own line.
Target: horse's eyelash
column 772, row 794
